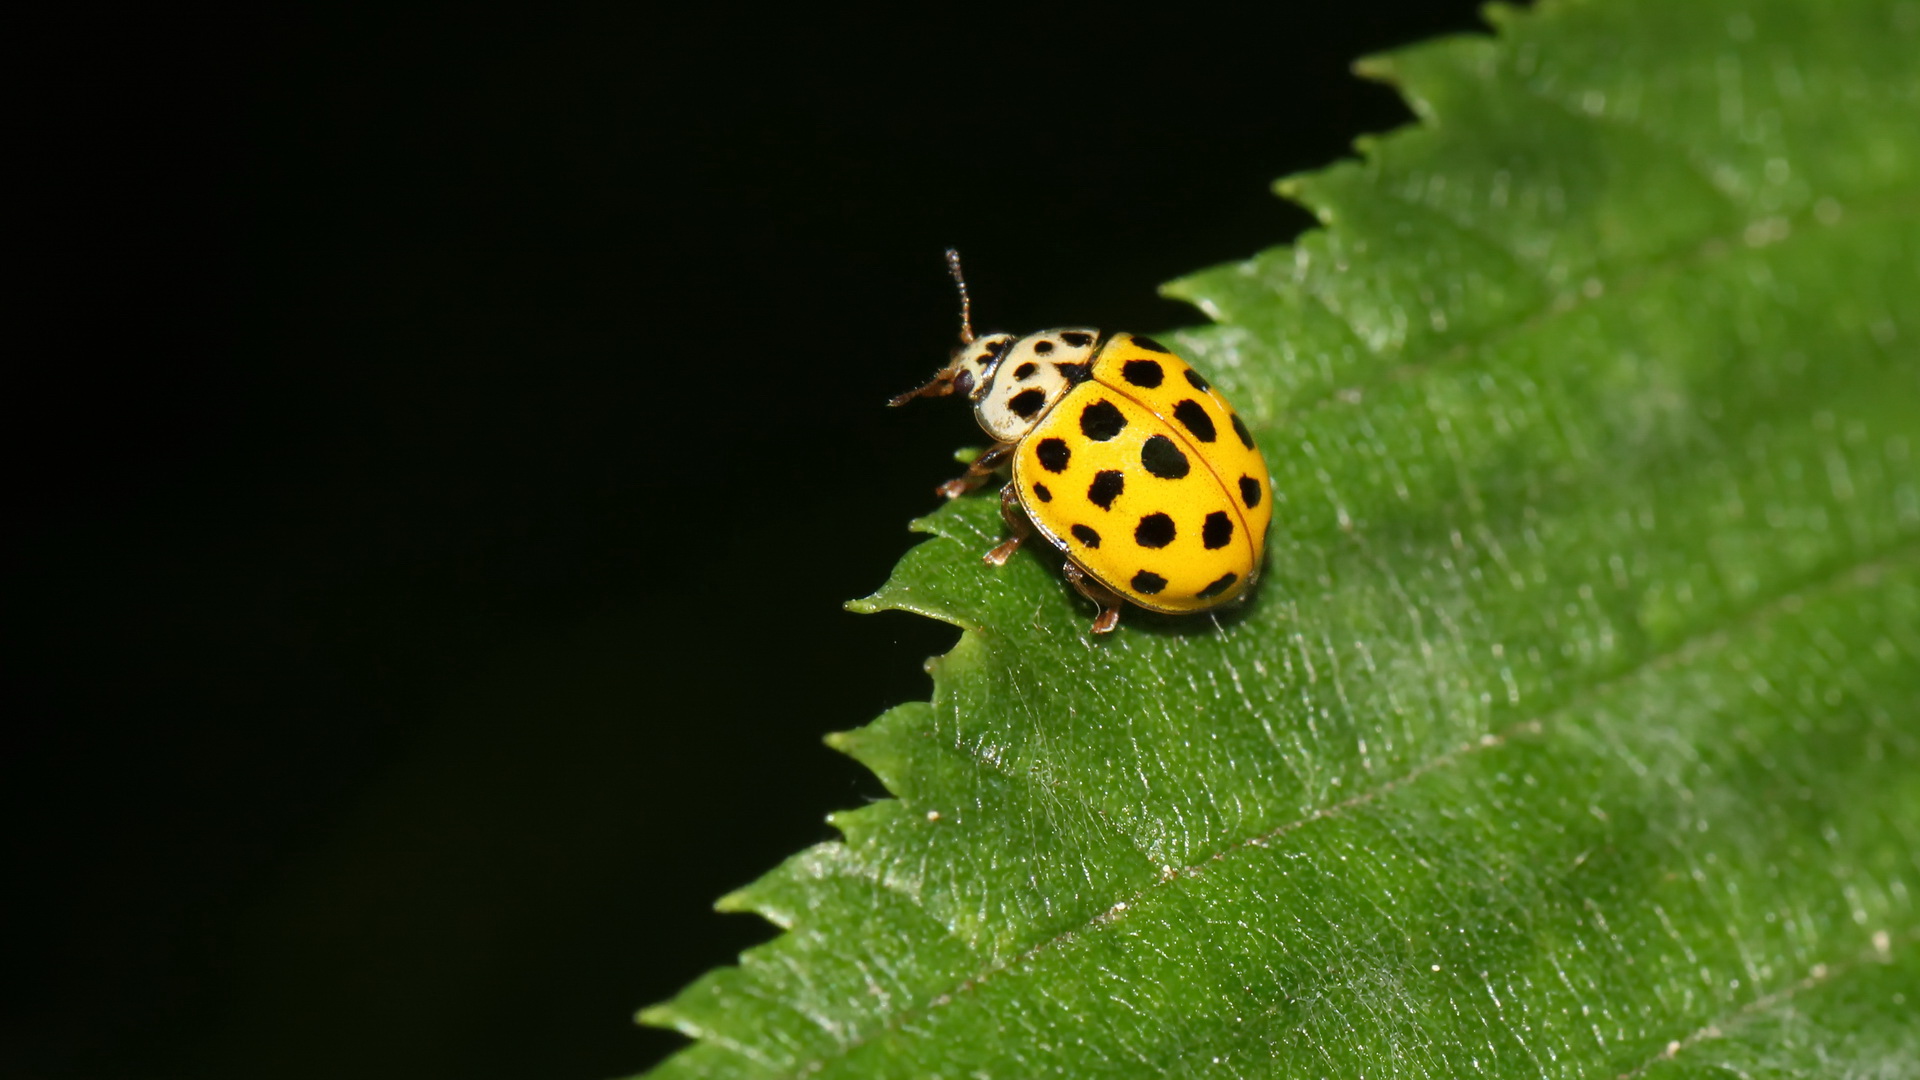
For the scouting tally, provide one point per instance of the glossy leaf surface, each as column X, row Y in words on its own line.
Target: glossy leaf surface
column 1575, row 727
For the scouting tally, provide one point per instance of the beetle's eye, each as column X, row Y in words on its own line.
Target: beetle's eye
column 963, row 384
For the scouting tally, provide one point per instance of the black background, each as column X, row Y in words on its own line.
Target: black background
column 445, row 443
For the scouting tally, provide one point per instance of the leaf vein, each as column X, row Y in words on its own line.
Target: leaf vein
column 1893, row 203
column 1818, row 975
column 1683, row 651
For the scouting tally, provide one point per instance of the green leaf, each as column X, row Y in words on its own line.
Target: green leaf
column 1575, row 728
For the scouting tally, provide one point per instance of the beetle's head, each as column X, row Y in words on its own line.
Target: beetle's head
column 967, row 373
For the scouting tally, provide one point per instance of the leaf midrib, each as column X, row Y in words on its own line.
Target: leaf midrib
column 1682, row 650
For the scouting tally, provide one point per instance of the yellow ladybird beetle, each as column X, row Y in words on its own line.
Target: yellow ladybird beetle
column 1123, row 457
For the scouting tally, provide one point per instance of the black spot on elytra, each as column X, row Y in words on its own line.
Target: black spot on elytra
column 1025, row 371
column 1217, row 531
column 1106, row 487
column 1086, row 536
column 1163, row 459
column 1043, row 347
column 1053, row 454
column 1144, row 373
column 1040, row 491
column 1240, row 429
column 1219, row 585
column 1077, row 338
column 1195, row 419
column 1075, row 374
column 1250, row 491
column 1154, row 531
column 1149, row 344
column 1027, row 402
column 1101, row 421
column 1147, row 582
column 1194, row 380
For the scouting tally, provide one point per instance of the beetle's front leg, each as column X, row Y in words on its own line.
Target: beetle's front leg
column 1017, row 524
column 977, row 473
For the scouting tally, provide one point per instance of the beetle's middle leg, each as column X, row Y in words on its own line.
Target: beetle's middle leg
column 977, row 473
column 1017, row 524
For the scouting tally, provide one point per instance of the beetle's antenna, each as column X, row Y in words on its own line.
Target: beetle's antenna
column 942, row 382
column 966, row 304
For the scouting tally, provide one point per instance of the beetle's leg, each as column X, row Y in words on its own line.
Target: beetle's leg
column 939, row 386
column 1103, row 597
column 1017, row 524
column 978, row 472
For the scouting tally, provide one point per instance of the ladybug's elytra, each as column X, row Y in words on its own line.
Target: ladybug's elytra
column 1123, row 457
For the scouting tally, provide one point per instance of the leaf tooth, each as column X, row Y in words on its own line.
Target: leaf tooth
column 870, row 827
column 1378, row 67
column 684, row 1012
column 700, row 1061
column 1320, row 192
column 887, row 746
column 939, row 579
column 1435, row 76
column 803, row 995
column 717, row 1010
column 784, row 894
column 1306, row 191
